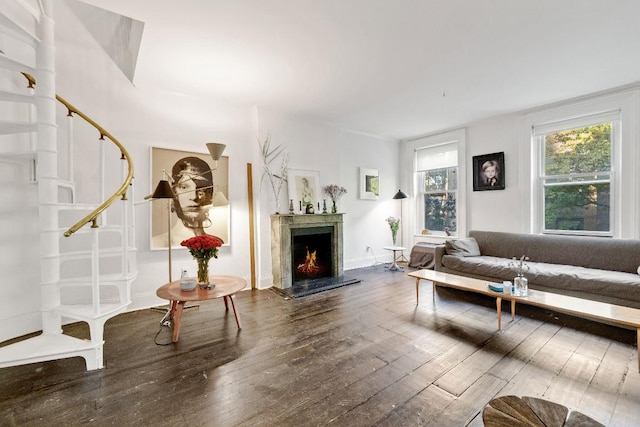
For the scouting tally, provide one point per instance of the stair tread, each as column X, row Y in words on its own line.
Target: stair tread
column 14, row 65
column 16, row 97
column 86, row 254
column 85, row 311
column 11, row 127
column 103, row 278
column 43, row 347
column 17, row 29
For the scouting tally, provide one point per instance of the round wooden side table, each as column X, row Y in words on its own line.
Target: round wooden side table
column 225, row 288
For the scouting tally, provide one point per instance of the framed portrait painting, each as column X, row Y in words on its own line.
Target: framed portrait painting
column 488, row 172
column 200, row 202
column 369, row 184
column 304, row 188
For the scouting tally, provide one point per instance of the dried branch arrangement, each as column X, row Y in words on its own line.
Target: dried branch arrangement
column 269, row 157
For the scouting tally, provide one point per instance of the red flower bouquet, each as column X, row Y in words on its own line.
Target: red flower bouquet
column 203, row 246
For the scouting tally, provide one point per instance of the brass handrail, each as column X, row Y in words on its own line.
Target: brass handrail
column 122, row 191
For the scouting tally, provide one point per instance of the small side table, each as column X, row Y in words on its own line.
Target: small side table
column 225, row 287
column 394, row 265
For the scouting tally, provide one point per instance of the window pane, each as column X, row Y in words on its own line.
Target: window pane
column 577, row 207
column 440, row 211
column 580, row 150
column 444, row 179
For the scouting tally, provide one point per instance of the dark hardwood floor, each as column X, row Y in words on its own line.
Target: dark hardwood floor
column 360, row 355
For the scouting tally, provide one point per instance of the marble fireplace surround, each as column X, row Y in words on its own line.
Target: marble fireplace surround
column 281, row 241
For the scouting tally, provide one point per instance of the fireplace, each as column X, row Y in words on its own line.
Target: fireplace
column 305, row 247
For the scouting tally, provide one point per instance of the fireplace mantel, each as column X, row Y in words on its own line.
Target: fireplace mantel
column 281, row 226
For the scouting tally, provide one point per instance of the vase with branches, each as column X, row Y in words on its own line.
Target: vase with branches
column 277, row 177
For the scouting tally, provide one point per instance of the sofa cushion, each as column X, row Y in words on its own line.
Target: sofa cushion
column 591, row 252
column 462, row 247
column 553, row 276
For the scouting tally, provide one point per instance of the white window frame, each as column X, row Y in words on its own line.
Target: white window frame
column 539, row 133
column 409, row 180
column 625, row 176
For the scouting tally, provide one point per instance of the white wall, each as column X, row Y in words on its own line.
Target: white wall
column 510, row 210
column 496, row 210
column 337, row 155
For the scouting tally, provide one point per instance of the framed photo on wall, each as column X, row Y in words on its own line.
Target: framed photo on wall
column 488, row 172
column 369, row 184
column 304, row 188
column 201, row 197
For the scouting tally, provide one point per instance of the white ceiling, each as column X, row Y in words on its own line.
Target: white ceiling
column 395, row 68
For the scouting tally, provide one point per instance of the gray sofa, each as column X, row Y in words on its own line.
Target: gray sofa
column 596, row 268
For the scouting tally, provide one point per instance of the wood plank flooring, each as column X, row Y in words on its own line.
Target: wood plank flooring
column 361, row 355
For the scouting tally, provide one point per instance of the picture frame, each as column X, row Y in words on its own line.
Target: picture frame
column 304, row 188
column 204, row 194
column 369, row 184
column 488, row 172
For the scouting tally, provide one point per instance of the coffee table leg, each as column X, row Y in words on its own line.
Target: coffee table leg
column 499, row 309
column 417, row 290
column 638, row 333
column 177, row 320
column 235, row 311
column 513, row 310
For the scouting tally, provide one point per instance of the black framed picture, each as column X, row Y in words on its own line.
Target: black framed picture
column 488, row 172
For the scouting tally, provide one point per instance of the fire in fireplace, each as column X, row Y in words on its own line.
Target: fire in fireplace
column 311, row 256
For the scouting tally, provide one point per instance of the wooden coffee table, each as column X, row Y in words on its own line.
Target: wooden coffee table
column 225, row 287
column 593, row 310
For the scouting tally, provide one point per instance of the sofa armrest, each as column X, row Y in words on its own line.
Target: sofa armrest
column 439, row 253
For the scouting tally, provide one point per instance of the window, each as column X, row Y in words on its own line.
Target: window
column 437, row 184
column 576, row 175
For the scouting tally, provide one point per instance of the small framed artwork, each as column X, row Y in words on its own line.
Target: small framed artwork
column 200, row 201
column 369, row 184
column 304, row 188
column 488, row 172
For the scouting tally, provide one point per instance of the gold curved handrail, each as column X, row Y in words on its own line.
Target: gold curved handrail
column 120, row 192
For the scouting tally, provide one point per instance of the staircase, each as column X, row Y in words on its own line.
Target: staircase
column 87, row 251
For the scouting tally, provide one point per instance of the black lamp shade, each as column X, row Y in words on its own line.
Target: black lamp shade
column 163, row 190
column 400, row 195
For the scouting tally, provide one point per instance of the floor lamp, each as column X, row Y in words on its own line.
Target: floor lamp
column 401, row 195
column 164, row 191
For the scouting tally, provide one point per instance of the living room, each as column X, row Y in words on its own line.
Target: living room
column 230, row 100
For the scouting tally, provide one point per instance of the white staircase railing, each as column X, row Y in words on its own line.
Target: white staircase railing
column 86, row 277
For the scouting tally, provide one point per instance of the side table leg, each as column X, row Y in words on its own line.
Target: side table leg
column 235, row 311
column 499, row 309
column 177, row 320
column 638, row 349
column 226, row 303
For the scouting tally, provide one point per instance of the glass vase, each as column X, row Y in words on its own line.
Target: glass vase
column 203, row 273
column 394, row 236
column 520, row 286
column 334, row 208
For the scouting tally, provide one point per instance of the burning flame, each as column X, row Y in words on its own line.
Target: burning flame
column 310, row 264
